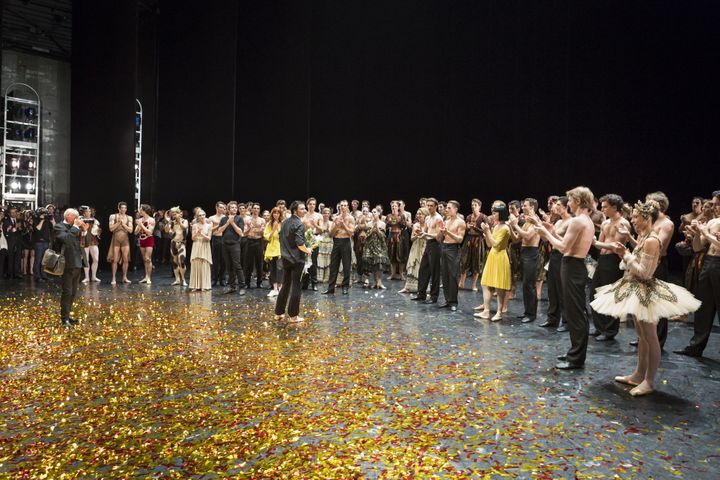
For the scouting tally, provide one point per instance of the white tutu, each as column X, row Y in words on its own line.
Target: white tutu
column 648, row 301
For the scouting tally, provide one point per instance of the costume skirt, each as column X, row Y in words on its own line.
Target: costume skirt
column 473, row 254
column 648, row 301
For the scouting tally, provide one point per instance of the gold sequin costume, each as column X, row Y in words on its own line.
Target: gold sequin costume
column 641, row 295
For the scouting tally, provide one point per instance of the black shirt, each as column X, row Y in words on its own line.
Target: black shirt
column 230, row 235
column 292, row 235
column 45, row 232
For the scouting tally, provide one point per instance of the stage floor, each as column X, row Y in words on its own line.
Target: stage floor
column 159, row 382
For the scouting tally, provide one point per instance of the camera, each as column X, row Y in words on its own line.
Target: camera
column 39, row 212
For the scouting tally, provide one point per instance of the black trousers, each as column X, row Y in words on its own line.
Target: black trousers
column 708, row 292
column 276, row 270
column 530, row 256
column 3, row 261
column 70, row 283
column 289, row 295
column 218, row 266
column 574, row 275
column 14, row 254
column 450, row 271
column 662, row 273
column 341, row 251
column 555, row 290
column 234, row 264
column 254, row 260
column 607, row 272
column 311, row 277
column 430, row 270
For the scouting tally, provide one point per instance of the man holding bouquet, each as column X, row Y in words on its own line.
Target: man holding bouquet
column 293, row 252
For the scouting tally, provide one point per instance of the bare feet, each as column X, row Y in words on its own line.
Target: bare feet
column 627, row 380
column 643, row 389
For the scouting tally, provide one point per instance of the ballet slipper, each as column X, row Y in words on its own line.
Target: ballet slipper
column 295, row 319
column 479, row 308
column 484, row 315
column 278, row 317
column 404, row 290
column 641, row 390
column 497, row 317
column 626, row 380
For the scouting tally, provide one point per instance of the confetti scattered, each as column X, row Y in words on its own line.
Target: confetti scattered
column 151, row 386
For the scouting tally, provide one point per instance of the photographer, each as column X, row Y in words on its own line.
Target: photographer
column 67, row 234
column 41, row 237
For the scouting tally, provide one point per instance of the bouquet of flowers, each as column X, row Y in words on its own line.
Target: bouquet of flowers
column 310, row 242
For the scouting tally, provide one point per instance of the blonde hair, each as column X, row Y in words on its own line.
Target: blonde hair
column 583, row 195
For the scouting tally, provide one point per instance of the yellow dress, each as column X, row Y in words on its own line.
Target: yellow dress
column 496, row 273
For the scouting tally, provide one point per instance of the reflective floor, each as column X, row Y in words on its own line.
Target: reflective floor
column 160, row 382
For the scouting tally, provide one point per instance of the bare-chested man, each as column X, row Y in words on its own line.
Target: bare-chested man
column 612, row 231
column 451, row 234
column 254, row 228
column 430, row 263
column 554, row 282
column 342, row 230
column 575, row 246
column 708, row 289
column 218, row 265
column 529, row 255
column 311, row 221
column 121, row 226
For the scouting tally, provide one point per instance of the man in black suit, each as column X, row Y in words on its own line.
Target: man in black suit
column 12, row 235
column 67, row 234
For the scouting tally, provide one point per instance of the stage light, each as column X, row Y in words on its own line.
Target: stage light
column 15, row 163
column 15, row 185
column 29, row 186
column 31, row 165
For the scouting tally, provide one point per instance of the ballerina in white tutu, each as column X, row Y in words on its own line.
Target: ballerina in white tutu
column 645, row 298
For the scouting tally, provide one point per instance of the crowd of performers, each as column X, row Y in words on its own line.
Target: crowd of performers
column 615, row 251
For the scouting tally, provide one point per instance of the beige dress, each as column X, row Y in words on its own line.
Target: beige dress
column 201, row 261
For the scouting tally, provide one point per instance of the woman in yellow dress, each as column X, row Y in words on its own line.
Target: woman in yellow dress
column 496, row 274
column 272, row 251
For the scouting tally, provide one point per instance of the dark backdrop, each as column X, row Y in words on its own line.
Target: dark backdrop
column 495, row 99
column 104, row 72
column 386, row 99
